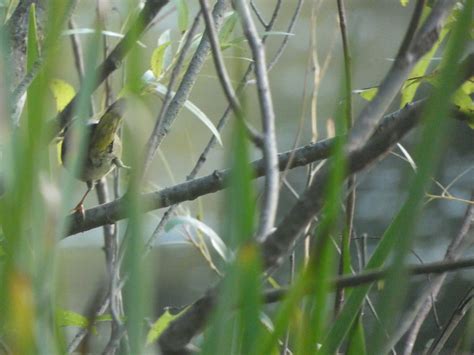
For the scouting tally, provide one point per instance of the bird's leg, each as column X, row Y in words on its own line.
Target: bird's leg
column 80, row 206
column 119, row 163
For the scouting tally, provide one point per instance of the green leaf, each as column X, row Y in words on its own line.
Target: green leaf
column 241, row 286
column 183, row 14
column 62, row 91
column 416, row 76
column 367, row 94
column 463, row 101
column 356, row 344
column 404, row 2
column 468, row 86
column 233, row 42
column 160, row 325
column 228, row 26
column 32, row 49
column 465, row 104
column 67, row 318
column 11, row 8
column 157, row 59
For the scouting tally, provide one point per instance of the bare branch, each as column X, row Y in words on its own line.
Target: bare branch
column 224, row 76
column 424, row 39
column 281, row 241
column 164, row 121
column 116, row 56
column 417, row 314
column 212, row 141
column 271, row 189
column 439, row 267
column 403, row 120
column 286, row 38
column 464, row 306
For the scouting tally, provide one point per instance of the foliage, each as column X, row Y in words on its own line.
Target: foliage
column 257, row 300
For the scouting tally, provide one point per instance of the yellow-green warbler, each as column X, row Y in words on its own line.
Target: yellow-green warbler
column 104, row 149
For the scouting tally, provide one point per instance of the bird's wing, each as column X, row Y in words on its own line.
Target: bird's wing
column 104, row 133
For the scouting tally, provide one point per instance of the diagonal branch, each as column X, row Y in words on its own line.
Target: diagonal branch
column 190, row 190
column 165, row 119
column 405, row 61
column 223, row 74
column 422, row 306
column 116, row 56
column 180, row 331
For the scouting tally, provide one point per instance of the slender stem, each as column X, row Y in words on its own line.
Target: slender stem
column 345, row 259
column 116, row 56
column 286, row 38
column 439, row 267
column 166, row 118
column 416, row 316
column 271, row 188
column 223, row 74
column 464, row 306
column 422, row 42
column 398, row 123
column 212, row 141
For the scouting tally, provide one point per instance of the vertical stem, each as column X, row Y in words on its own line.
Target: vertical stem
column 344, row 261
column 271, row 189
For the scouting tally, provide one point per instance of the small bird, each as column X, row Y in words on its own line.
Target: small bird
column 104, row 149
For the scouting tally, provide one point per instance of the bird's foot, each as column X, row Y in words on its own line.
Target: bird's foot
column 79, row 210
column 119, row 164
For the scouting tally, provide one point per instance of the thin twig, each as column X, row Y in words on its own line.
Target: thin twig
column 422, row 42
column 224, row 76
column 164, row 108
column 351, row 182
column 413, row 319
column 212, row 141
column 115, row 58
column 439, row 267
column 166, row 118
column 464, row 306
column 286, row 38
column 280, row 242
column 402, row 121
column 76, row 51
column 271, row 188
column 258, row 14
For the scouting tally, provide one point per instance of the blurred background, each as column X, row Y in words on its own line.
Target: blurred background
column 177, row 271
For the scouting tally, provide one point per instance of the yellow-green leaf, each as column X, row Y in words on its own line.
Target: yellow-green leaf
column 160, row 325
column 367, row 94
column 67, row 318
column 410, row 86
column 11, row 8
column 468, row 86
column 404, row 2
column 465, row 104
column 63, row 93
column 157, row 59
